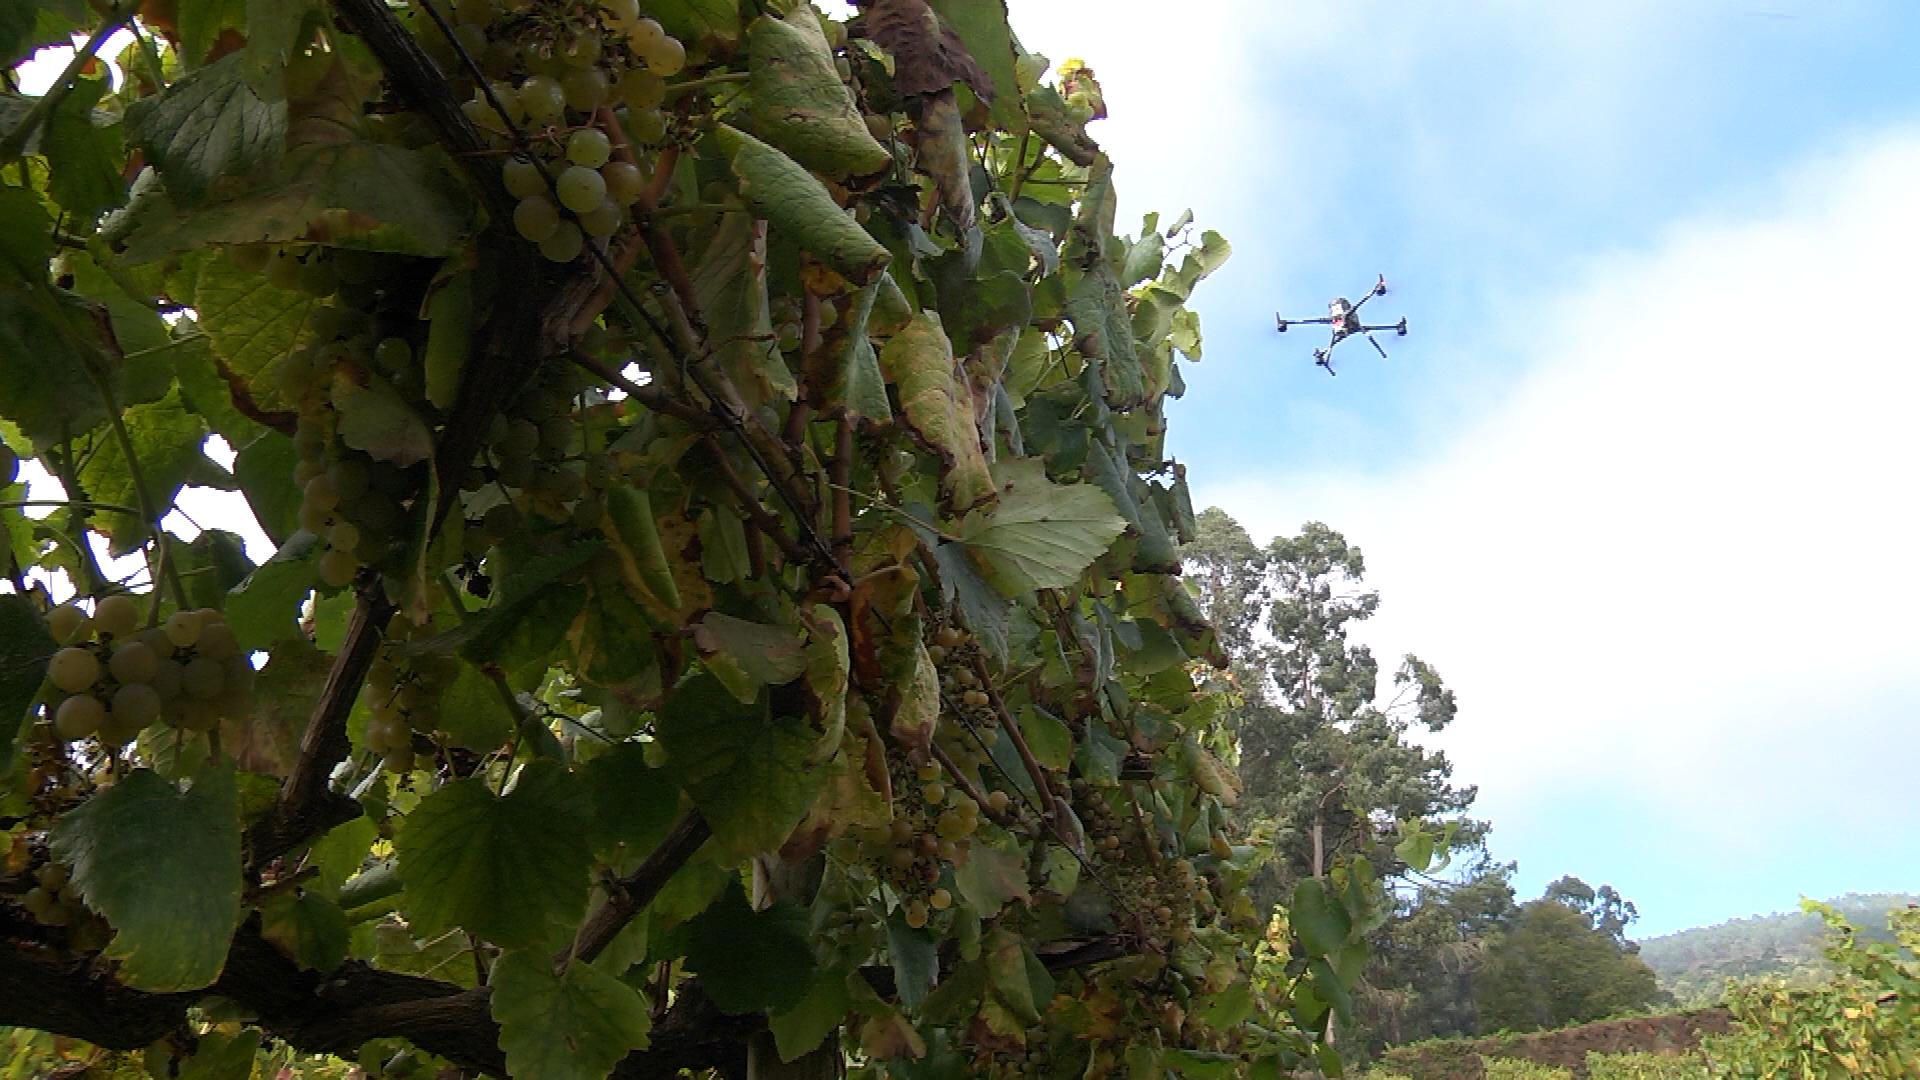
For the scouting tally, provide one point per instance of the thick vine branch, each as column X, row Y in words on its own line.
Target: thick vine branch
column 633, row 893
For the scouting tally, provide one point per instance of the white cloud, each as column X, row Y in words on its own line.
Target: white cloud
column 1679, row 554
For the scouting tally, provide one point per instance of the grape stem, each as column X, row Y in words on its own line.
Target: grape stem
column 681, row 89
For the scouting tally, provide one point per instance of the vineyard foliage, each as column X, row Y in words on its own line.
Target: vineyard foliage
column 725, row 606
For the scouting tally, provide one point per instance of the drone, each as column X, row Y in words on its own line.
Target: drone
column 1344, row 317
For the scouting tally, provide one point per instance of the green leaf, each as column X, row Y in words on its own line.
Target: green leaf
column 1048, row 738
column 201, row 21
column 163, row 866
column 308, row 927
column 207, row 126
column 1320, row 924
column 982, row 27
column 265, row 608
column 918, row 361
column 512, row 870
column 985, row 612
column 25, row 646
column 750, row 961
column 1005, row 955
column 219, row 1056
column 730, row 281
column 53, row 397
column 746, row 769
column 273, row 34
column 471, row 712
column 694, row 21
column 992, row 876
column 802, row 1028
column 374, row 418
column 1039, row 535
column 633, row 803
column 166, row 440
column 857, row 388
column 799, row 104
column 26, row 233
column 203, row 390
column 252, row 325
column 749, row 656
column 780, row 190
column 915, row 957
column 574, row 1026
column 1227, row 1009
column 83, row 158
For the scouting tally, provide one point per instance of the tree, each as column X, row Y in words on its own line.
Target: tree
column 1328, row 770
column 1606, row 910
column 1552, row 967
column 725, row 611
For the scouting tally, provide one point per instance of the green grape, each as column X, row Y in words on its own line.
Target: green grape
column 582, row 49
column 565, row 244
column 603, row 220
column 935, row 793
column 67, row 624
column 518, row 439
column 940, row 899
column 320, row 491
column 134, row 662
column 313, row 516
column 579, row 188
column 79, row 716
column 501, row 521
column 344, row 535
column 523, row 178
column 484, row 115
column 135, row 706
column 471, row 38
column 666, row 56
column 51, row 875
column 639, row 88
column 377, row 514
column 116, row 616
column 307, row 470
column 644, row 34
column 167, row 679
column 392, row 354
column 398, row 761
column 621, row 11
column 647, row 126
column 217, row 641
column 536, row 218
column 73, row 669
column 337, row 568
column 624, row 180
column 589, row 147
column 543, row 99
column 585, row 90
column 203, row 679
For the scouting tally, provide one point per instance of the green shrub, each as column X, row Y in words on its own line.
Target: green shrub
column 1522, row 1069
column 1647, row 1067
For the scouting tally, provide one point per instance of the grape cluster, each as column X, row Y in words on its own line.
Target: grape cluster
column 552, row 66
column 403, row 692
column 111, row 680
column 933, row 824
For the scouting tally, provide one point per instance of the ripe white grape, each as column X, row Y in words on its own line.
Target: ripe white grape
column 647, row 126
column 602, row 220
column 580, row 189
column 344, row 535
column 134, row 662
column 543, row 99
column 79, row 716
column 523, row 178
column 203, row 678
column 73, row 669
column 314, row 516
column 589, row 147
column 583, row 49
column 183, row 628
column 116, row 616
column 624, row 180
column 392, row 354
column 621, row 11
column 566, row 243
column 484, row 115
column 639, row 88
column 66, row 623
column 585, row 90
column 337, row 568
column 536, row 218
column 665, row 57
column 134, row 706
column 217, row 641
column 644, row 33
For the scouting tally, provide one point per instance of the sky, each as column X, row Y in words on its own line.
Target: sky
column 1640, row 482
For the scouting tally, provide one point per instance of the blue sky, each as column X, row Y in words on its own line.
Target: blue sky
column 1641, row 481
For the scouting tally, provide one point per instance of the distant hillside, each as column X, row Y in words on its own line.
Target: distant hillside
column 1694, row 965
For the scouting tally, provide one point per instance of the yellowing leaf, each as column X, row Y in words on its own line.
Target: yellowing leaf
column 933, row 393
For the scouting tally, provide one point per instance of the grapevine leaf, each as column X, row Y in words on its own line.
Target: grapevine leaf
column 265, row 608
column 1321, row 925
column 262, row 467
column 308, row 927
column 857, row 388
column 746, row 769
column 800, row 106
column 1006, row 962
column 747, row 656
column 992, row 876
column 1051, row 742
column 573, row 1026
column 166, row 439
column 780, row 190
column 985, row 611
column 633, row 804
column 207, row 126
column 982, row 27
column 374, row 418
column 731, row 283
column 269, row 741
column 273, row 34
column 916, row 960
column 511, row 869
column 82, row 156
column 24, row 648
column 471, row 713
column 26, row 233
column 1103, row 331
column 699, row 20
column 750, row 961
column 1039, row 535
column 802, row 1028
column 202, row 21
column 52, row 398
column 252, row 324
column 163, row 866
column 918, row 361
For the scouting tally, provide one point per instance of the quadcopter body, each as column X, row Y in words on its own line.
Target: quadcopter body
column 1343, row 318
